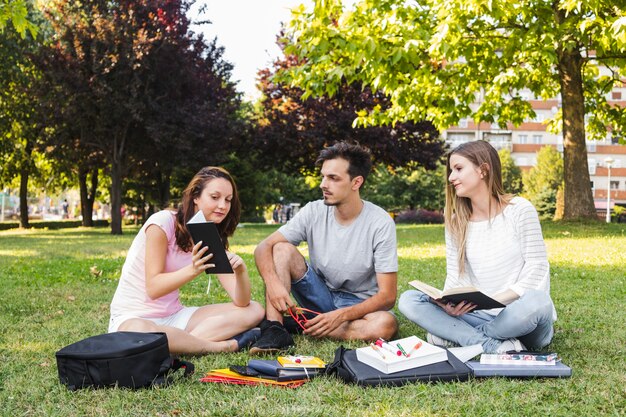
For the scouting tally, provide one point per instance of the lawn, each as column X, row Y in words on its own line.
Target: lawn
column 54, row 294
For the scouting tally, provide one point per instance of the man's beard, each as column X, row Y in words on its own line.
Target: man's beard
column 330, row 203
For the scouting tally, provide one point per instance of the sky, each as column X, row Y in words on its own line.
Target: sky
column 247, row 30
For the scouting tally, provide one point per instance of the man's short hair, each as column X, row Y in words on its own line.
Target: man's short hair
column 359, row 158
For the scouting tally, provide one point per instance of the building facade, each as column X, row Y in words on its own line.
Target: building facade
column 525, row 140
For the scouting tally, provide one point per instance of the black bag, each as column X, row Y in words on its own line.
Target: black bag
column 349, row 369
column 125, row 359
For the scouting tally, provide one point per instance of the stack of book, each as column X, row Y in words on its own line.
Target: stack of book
column 285, row 371
column 520, row 365
column 399, row 355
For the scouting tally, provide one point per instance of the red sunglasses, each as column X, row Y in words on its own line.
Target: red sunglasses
column 297, row 313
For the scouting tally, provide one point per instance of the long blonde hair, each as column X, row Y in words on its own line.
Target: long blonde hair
column 458, row 210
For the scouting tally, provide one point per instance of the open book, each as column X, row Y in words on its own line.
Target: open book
column 456, row 295
column 207, row 232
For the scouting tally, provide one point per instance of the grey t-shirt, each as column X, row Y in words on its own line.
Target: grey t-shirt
column 347, row 257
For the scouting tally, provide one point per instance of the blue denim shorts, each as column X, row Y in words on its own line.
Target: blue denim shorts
column 311, row 292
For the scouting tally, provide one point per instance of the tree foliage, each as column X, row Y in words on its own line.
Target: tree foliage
column 434, row 58
column 16, row 12
column 543, row 181
column 293, row 130
column 20, row 125
column 511, row 173
column 406, row 188
column 135, row 86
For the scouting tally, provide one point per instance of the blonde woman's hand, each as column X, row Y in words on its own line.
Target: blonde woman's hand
column 199, row 259
column 455, row 310
column 235, row 260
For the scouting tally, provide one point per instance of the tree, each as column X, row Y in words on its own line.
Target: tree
column 293, row 130
column 435, row 57
column 543, row 181
column 406, row 187
column 20, row 128
column 511, row 173
column 16, row 12
column 140, row 89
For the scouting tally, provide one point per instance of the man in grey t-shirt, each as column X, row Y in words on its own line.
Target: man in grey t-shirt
column 351, row 278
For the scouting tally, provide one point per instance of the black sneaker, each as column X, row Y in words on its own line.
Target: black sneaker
column 292, row 326
column 274, row 338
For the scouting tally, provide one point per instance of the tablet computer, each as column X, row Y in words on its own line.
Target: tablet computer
column 202, row 230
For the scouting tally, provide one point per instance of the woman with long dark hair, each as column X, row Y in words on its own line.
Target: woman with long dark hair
column 494, row 243
column 163, row 257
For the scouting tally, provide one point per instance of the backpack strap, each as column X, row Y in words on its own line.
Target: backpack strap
column 166, row 377
column 188, row 366
column 336, row 364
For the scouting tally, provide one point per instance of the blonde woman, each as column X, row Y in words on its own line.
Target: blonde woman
column 494, row 243
column 163, row 258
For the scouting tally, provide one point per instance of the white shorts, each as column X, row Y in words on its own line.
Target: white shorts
column 178, row 320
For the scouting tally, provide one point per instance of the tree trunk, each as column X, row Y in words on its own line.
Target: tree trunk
column 116, row 197
column 578, row 199
column 24, row 172
column 87, row 196
column 164, row 188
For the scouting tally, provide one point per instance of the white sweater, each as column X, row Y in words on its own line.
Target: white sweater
column 506, row 252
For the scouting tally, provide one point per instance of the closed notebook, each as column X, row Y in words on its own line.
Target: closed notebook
column 201, row 230
column 273, row 369
column 299, row 361
column 558, row 370
column 226, row 376
column 519, row 359
column 388, row 362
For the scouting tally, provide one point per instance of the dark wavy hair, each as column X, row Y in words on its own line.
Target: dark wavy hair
column 186, row 208
column 359, row 158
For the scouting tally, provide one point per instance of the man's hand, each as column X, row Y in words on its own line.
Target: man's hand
column 455, row 310
column 279, row 297
column 324, row 324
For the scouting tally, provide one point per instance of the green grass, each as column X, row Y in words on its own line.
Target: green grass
column 51, row 299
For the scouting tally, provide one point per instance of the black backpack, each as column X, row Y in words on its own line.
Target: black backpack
column 125, row 359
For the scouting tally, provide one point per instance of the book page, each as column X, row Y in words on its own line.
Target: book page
column 197, row 218
column 460, row 290
column 426, row 289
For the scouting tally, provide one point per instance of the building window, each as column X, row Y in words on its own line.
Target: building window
column 523, row 139
column 616, row 95
column 463, row 123
column 592, row 166
column 614, row 185
column 537, row 139
column 592, row 186
column 455, row 139
column 500, row 140
column 591, row 146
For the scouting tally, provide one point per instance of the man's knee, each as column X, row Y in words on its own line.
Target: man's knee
column 286, row 255
column 283, row 251
column 381, row 324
